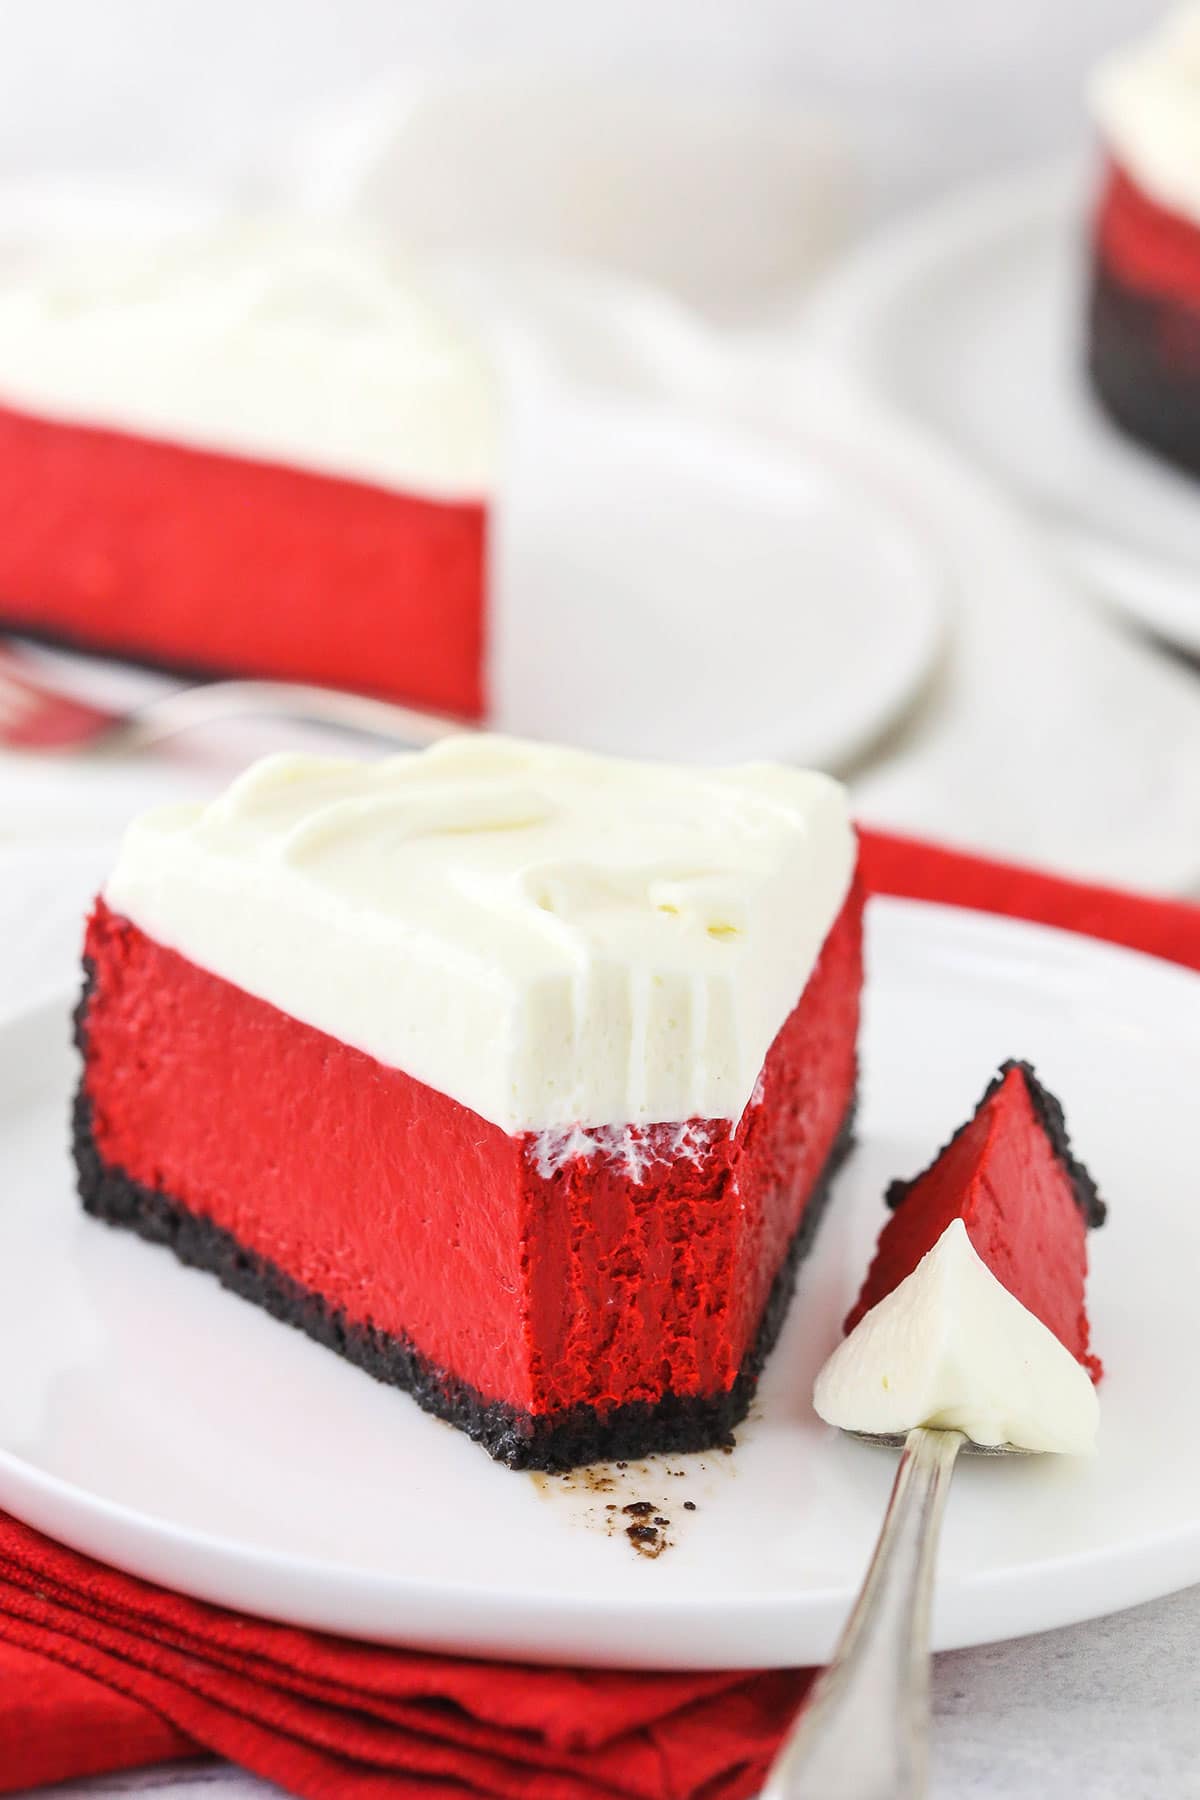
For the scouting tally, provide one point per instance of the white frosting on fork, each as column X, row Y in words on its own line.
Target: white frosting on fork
column 1146, row 101
column 274, row 340
column 951, row 1348
column 554, row 939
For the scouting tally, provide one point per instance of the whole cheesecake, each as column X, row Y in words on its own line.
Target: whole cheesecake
column 259, row 451
column 1144, row 306
column 515, row 1075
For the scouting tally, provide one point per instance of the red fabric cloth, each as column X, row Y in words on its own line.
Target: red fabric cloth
column 56, row 1723
column 336, row 1720
column 917, row 871
column 100, row 1671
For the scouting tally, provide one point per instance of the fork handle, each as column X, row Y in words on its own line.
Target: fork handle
column 864, row 1730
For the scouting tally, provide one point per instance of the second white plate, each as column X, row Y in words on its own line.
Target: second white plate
column 670, row 587
column 157, row 1422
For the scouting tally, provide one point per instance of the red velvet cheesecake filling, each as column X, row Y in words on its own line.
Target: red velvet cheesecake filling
column 1009, row 1184
column 200, row 561
column 1145, row 246
column 542, row 1271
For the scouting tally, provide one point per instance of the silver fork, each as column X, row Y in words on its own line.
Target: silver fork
column 863, row 1733
column 35, row 715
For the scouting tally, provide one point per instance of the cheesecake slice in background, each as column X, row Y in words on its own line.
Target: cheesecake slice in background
column 515, row 1075
column 254, row 451
column 1144, row 309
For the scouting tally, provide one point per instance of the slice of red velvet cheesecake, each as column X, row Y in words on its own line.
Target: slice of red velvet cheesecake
column 254, row 451
column 515, row 1075
column 973, row 1315
column 1025, row 1201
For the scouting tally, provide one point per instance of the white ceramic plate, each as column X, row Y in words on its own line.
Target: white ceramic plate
column 155, row 1421
column 667, row 586
column 971, row 318
column 671, row 579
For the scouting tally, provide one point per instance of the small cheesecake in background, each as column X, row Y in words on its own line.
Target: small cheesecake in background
column 973, row 1317
column 516, row 1075
column 1144, row 309
column 259, row 450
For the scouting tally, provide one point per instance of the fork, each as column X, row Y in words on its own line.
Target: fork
column 34, row 715
column 863, row 1733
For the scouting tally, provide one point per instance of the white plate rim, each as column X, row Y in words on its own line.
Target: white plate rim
column 848, row 307
column 847, row 450
column 668, row 370
column 986, row 1608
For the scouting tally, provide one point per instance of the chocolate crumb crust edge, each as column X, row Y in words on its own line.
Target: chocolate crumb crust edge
column 675, row 1423
column 1048, row 1111
column 1150, row 394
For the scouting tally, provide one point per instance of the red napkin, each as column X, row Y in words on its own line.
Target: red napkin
column 125, row 1673
column 100, row 1671
column 917, row 871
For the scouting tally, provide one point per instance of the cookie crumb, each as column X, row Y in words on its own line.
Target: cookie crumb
column 646, row 1540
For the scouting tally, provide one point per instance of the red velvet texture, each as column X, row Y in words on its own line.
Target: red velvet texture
column 599, row 1282
column 223, row 565
column 999, row 1175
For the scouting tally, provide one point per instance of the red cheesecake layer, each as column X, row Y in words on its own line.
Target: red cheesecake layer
column 1144, row 321
column 1026, row 1203
column 217, row 564
column 1144, row 245
column 563, row 1295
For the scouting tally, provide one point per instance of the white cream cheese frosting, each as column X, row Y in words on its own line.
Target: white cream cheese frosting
column 280, row 341
column 1146, row 102
column 550, row 937
column 951, row 1348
